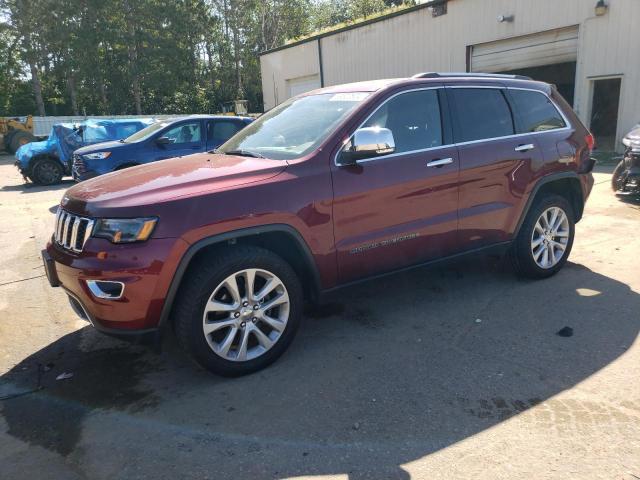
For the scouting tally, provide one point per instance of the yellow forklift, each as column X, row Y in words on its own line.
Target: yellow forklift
column 15, row 132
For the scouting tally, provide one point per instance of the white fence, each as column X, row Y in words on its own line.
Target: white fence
column 42, row 125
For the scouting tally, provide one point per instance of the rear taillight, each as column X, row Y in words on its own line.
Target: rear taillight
column 591, row 142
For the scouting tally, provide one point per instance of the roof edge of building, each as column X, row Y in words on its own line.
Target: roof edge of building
column 353, row 26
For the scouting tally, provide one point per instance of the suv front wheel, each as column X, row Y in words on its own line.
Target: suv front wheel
column 47, row 171
column 238, row 310
column 545, row 238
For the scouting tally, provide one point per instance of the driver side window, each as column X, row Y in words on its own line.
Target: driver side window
column 413, row 118
column 184, row 133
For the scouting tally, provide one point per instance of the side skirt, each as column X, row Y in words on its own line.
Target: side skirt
column 495, row 249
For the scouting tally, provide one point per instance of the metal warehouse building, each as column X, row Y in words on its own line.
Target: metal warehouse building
column 589, row 48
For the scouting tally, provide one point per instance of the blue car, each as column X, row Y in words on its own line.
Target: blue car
column 165, row 139
column 46, row 162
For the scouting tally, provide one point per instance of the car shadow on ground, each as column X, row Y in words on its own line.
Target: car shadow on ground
column 630, row 200
column 385, row 373
column 29, row 187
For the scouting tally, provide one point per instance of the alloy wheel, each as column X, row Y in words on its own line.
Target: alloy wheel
column 47, row 173
column 550, row 237
column 246, row 315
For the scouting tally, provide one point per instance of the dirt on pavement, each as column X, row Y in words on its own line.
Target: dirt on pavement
column 451, row 372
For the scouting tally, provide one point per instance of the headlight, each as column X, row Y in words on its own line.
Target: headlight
column 97, row 156
column 632, row 139
column 124, row 230
column 631, row 142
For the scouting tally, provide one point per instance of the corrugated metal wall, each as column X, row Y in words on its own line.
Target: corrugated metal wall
column 288, row 64
column 414, row 42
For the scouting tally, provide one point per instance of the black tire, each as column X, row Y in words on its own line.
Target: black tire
column 19, row 138
column 199, row 285
column 616, row 183
column 521, row 253
column 46, row 171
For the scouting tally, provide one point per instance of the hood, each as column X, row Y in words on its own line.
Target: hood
column 101, row 147
column 632, row 139
column 29, row 150
column 167, row 180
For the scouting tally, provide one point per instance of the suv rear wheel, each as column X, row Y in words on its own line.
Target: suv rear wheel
column 238, row 310
column 545, row 238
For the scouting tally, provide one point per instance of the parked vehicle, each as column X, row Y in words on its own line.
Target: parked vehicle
column 15, row 132
column 331, row 187
column 626, row 176
column 45, row 163
column 162, row 140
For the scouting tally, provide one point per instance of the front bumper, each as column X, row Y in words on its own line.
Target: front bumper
column 79, row 170
column 81, row 177
column 630, row 176
column 144, row 269
column 25, row 172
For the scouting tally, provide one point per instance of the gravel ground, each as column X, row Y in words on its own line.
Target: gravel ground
column 451, row 372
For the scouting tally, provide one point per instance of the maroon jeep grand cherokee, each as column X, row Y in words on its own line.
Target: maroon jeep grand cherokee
column 333, row 186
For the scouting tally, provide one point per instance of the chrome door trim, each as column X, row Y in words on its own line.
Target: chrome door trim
column 440, row 162
column 568, row 124
column 525, row 148
column 391, row 155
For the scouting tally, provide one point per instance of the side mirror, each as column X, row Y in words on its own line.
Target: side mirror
column 162, row 141
column 367, row 142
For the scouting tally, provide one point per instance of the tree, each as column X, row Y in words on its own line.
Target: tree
column 149, row 56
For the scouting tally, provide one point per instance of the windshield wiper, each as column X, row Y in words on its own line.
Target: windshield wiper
column 241, row 153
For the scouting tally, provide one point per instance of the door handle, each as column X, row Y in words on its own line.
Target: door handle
column 439, row 163
column 525, row 148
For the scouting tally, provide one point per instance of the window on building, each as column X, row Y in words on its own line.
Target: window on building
column 536, row 112
column 413, row 118
column 481, row 113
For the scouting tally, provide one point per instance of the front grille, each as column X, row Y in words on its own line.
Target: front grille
column 78, row 164
column 72, row 231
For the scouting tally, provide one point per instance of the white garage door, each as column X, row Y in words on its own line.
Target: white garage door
column 545, row 48
column 296, row 86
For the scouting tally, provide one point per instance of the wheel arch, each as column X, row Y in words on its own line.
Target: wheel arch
column 43, row 157
column 282, row 239
column 565, row 184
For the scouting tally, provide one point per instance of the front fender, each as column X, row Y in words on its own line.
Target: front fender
column 233, row 235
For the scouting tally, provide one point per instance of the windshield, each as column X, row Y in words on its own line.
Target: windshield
column 294, row 128
column 95, row 133
column 146, row 132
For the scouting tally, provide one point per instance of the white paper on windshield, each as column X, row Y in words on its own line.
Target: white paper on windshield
column 349, row 97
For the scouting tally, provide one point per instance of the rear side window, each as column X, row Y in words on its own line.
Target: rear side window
column 535, row 111
column 222, row 130
column 413, row 118
column 481, row 113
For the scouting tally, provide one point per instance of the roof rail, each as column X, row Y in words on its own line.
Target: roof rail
column 482, row 75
